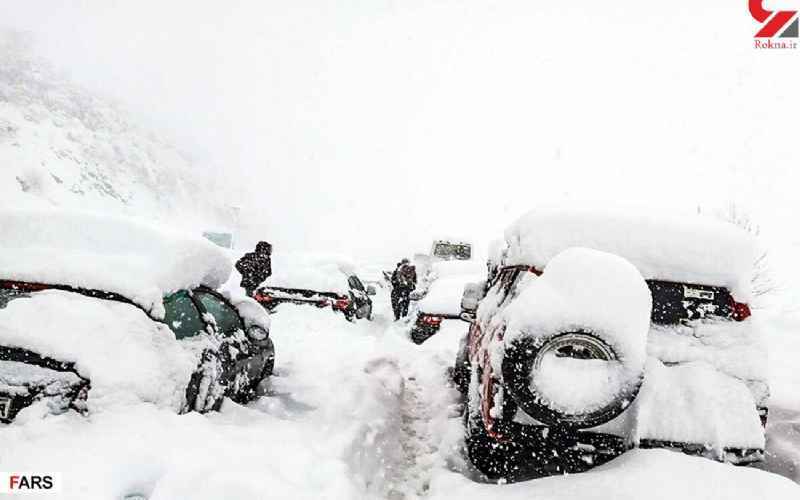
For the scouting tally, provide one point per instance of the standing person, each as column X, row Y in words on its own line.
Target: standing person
column 255, row 267
column 404, row 280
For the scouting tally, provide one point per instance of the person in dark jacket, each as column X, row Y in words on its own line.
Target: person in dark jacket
column 404, row 280
column 255, row 267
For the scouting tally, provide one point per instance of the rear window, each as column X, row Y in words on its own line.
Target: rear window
column 452, row 251
column 181, row 315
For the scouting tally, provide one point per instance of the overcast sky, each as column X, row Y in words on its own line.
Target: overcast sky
column 356, row 126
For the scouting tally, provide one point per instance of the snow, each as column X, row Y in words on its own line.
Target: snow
column 638, row 474
column 139, row 261
column 17, row 378
column 127, row 356
column 354, row 411
column 695, row 403
column 572, row 385
column 311, row 272
column 666, row 246
column 444, row 295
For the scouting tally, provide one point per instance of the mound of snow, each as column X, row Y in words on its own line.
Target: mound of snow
column 126, row 355
column 636, row 475
column 115, row 254
column 687, row 249
column 695, row 403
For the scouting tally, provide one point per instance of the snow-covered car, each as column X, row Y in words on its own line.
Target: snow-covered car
column 318, row 282
column 98, row 311
column 607, row 330
column 441, row 302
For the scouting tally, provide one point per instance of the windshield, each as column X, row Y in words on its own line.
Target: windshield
column 225, row 316
column 355, row 283
column 181, row 315
column 452, row 251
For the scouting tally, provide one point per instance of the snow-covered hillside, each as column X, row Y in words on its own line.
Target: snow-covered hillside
column 64, row 146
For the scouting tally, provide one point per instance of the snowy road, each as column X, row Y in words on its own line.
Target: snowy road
column 356, row 411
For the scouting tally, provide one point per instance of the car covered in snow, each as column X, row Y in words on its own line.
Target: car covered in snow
column 317, row 281
column 602, row 330
column 98, row 311
column 439, row 298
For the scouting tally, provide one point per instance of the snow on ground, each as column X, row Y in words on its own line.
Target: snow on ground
column 355, row 411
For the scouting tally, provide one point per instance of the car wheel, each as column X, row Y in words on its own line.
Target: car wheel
column 418, row 335
column 525, row 356
column 204, row 392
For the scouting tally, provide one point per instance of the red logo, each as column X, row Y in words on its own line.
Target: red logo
column 783, row 21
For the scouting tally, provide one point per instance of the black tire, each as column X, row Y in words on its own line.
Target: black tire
column 518, row 363
column 269, row 366
column 462, row 367
column 197, row 381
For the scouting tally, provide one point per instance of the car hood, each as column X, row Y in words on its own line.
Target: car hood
column 126, row 355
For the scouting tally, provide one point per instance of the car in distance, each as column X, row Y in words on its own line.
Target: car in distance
column 318, row 282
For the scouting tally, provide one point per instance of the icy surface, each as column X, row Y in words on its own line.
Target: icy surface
column 126, row 355
column 136, row 260
column 668, row 246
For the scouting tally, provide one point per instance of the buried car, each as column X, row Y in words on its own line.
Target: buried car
column 318, row 282
column 98, row 311
column 589, row 342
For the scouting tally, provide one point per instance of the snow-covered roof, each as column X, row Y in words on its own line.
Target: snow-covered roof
column 321, row 273
column 686, row 248
column 137, row 260
column 444, row 295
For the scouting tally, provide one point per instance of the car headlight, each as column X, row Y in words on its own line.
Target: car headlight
column 257, row 333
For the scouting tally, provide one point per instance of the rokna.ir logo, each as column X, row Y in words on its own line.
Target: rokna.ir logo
column 775, row 24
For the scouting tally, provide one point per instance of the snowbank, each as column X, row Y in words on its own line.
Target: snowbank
column 687, row 249
column 138, row 261
column 127, row 356
column 636, row 475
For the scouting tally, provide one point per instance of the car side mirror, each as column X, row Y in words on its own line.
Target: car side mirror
column 473, row 294
column 370, row 290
